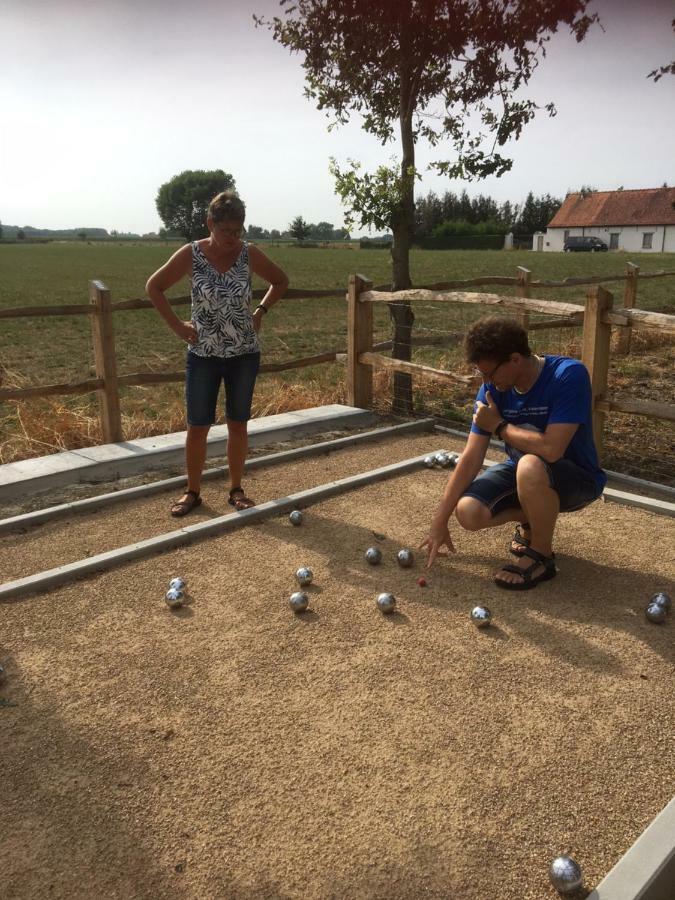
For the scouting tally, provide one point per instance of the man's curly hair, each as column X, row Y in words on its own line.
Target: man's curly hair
column 495, row 337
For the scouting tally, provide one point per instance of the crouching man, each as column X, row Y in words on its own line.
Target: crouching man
column 540, row 407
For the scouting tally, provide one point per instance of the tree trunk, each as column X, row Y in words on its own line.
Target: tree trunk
column 402, row 228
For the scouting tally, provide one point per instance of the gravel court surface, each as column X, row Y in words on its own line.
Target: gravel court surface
column 235, row 750
column 77, row 536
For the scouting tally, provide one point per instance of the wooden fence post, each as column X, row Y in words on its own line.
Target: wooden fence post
column 524, row 277
column 595, row 354
column 629, row 296
column 359, row 340
column 105, row 362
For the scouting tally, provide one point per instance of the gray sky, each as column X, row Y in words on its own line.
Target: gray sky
column 101, row 102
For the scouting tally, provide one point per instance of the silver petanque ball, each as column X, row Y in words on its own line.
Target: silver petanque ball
column 298, row 602
column 656, row 613
column 295, row 517
column 304, row 576
column 429, row 461
column 3, row 674
column 442, row 459
column 174, row 598
column 386, row 603
column 565, row 874
column 481, row 616
column 454, row 459
column 405, row 558
column 662, row 599
column 178, row 584
column 374, row 556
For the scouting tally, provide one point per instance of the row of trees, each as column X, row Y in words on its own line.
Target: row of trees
column 300, row 230
column 460, row 214
column 182, row 204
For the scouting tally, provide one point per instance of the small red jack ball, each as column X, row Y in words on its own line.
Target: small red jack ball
column 422, row 582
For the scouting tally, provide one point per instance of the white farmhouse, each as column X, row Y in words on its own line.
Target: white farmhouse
column 635, row 221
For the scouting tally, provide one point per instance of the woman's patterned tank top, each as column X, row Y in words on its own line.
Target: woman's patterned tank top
column 221, row 310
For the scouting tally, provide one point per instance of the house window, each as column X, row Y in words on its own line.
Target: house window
column 647, row 240
column 566, row 235
column 614, row 240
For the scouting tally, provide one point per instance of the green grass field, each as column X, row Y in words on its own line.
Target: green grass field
column 57, row 349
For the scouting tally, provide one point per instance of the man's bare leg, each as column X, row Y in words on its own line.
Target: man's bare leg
column 540, row 507
column 473, row 515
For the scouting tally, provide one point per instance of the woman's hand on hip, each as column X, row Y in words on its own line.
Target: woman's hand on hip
column 257, row 319
column 186, row 331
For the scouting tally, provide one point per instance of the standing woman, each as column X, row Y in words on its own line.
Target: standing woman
column 222, row 337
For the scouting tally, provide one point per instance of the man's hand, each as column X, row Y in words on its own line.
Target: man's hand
column 438, row 537
column 487, row 417
column 186, row 331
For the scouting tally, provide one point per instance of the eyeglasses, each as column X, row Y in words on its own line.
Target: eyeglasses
column 229, row 232
column 487, row 378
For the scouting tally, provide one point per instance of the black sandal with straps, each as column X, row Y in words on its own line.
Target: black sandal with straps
column 519, row 538
column 528, row 582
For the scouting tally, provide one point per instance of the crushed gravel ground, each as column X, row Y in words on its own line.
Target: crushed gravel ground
column 234, row 750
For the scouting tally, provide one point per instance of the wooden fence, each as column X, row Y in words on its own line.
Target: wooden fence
column 597, row 318
column 362, row 355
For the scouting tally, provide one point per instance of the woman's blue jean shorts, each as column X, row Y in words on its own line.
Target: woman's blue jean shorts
column 496, row 487
column 203, row 376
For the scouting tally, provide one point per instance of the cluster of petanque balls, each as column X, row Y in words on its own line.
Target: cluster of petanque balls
column 386, row 601
column 441, row 460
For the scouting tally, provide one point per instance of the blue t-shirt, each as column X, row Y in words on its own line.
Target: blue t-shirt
column 561, row 395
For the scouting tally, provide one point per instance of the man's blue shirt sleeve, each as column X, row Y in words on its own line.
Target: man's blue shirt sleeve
column 572, row 399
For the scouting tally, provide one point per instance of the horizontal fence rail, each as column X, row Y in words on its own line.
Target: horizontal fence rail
column 596, row 316
column 362, row 355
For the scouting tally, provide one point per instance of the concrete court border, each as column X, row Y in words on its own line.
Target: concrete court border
column 108, row 461
column 89, row 504
column 51, row 578
column 645, row 872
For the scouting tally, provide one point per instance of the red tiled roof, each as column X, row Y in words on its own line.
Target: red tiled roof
column 652, row 206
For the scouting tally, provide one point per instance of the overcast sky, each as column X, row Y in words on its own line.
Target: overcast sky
column 101, row 102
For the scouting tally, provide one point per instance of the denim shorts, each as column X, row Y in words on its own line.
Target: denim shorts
column 496, row 487
column 203, row 375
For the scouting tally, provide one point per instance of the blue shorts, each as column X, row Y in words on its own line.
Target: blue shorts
column 203, row 375
column 496, row 487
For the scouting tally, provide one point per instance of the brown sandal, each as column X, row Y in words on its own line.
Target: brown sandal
column 242, row 502
column 183, row 507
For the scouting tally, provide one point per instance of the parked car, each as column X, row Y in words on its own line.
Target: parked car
column 584, row 243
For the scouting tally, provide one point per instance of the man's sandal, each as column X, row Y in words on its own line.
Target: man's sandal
column 528, row 582
column 183, row 507
column 241, row 501
column 519, row 538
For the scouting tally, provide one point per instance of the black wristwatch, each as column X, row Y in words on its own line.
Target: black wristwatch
column 500, row 428
column 264, row 308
